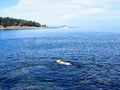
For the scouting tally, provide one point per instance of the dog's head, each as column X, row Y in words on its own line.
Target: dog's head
column 59, row 61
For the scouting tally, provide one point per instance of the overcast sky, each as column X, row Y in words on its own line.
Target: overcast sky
column 64, row 12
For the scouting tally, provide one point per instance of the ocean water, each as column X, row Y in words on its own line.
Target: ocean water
column 27, row 59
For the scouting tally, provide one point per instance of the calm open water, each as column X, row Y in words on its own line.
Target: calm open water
column 27, row 59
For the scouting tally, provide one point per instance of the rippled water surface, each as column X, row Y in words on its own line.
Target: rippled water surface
column 27, row 60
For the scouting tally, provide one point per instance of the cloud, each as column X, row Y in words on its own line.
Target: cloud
column 46, row 11
column 110, row 15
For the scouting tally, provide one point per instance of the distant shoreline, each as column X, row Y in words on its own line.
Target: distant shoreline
column 19, row 27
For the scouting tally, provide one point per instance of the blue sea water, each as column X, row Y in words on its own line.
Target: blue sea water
column 27, row 59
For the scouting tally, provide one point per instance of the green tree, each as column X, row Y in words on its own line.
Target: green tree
column 7, row 21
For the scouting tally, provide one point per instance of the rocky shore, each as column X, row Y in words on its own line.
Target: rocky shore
column 19, row 27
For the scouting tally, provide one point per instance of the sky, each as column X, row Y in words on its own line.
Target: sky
column 64, row 12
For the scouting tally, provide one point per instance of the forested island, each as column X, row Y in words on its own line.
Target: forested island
column 13, row 23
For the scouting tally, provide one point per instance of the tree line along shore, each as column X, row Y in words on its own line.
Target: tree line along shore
column 13, row 23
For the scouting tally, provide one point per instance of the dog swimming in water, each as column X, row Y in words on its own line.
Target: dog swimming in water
column 61, row 62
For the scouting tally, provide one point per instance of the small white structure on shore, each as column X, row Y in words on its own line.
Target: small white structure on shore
column 61, row 62
column 64, row 27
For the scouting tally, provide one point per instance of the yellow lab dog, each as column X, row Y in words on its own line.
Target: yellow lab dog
column 63, row 62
